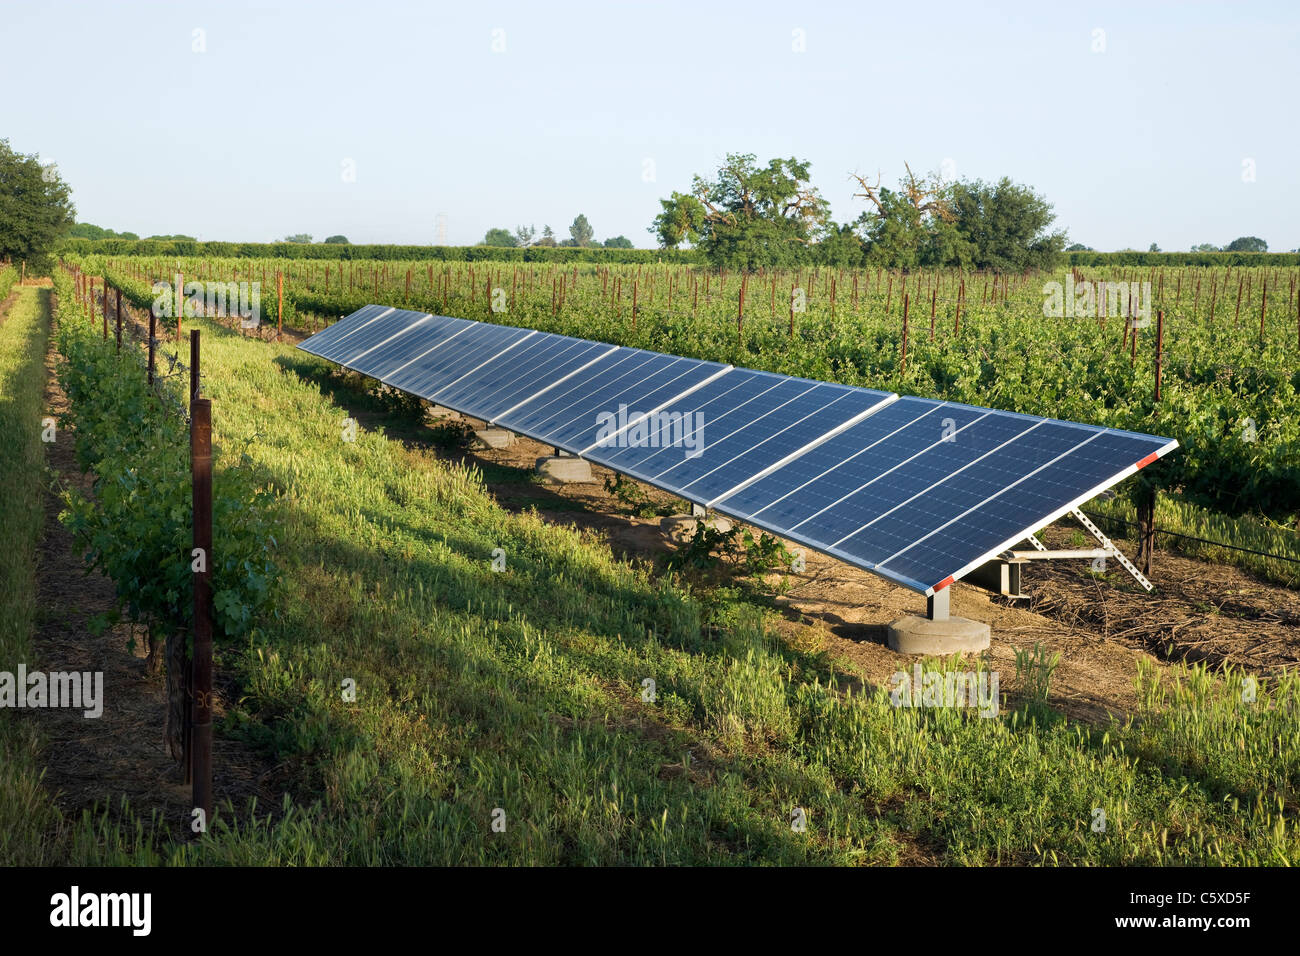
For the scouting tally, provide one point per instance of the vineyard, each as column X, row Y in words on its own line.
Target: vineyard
column 483, row 693
column 1226, row 382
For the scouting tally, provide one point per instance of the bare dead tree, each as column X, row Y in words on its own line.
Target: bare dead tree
column 926, row 194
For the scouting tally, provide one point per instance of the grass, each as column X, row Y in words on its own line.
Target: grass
column 26, row 813
column 517, row 697
column 1247, row 531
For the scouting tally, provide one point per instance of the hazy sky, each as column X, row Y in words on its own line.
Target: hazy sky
column 496, row 114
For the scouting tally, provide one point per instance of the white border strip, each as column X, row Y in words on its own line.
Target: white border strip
column 845, row 461
column 395, row 335
column 658, row 408
column 469, row 324
column 889, row 399
column 432, row 396
column 335, row 341
column 558, row 381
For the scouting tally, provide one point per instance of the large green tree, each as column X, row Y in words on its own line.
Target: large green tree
column 35, row 208
column 1246, row 244
column 911, row 226
column 748, row 215
column 1003, row 226
column 581, row 232
column 499, row 237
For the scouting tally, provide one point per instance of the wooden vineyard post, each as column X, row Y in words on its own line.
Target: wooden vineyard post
column 118, row 313
column 201, row 477
column 740, row 312
column 90, row 298
column 792, row 310
column 906, row 302
column 1160, row 346
column 153, row 322
column 1146, row 510
column 279, row 302
column 105, row 310
column 635, row 282
column 934, row 293
column 1263, row 303
column 194, row 365
column 22, row 276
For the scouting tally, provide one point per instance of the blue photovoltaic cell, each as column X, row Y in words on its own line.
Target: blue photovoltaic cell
column 759, row 432
column 540, row 363
column 929, row 504
column 365, row 333
column 811, row 487
column 416, row 342
column 736, row 396
column 348, row 323
column 434, row 370
column 1016, row 506
column 918, row 491
column 871, row 493
column 346, row 328
column 571, row 416
column 353, row 343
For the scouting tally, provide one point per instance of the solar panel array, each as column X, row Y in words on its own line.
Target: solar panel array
column 917, row 490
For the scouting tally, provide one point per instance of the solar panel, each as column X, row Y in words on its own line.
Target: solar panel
column 968, row 537
column 541, row 364
column 878, row 493
column 573, row 415
column 321, row 339
column 734, row 429
column 917, row 490
column 415, row 342
column 432, row 370
column 357, row 340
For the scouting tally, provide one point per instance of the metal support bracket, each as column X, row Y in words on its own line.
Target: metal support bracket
column 1038, row 545
column 1109, row 546
column 698, row 511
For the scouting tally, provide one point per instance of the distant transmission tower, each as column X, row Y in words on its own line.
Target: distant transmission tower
column 442, row 228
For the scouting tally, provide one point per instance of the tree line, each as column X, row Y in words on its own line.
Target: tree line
column 581, row 235
column 749, row 216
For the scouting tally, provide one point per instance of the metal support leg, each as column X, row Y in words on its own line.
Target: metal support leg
column 1110, row 546
column 698, row 511
column 937, row 604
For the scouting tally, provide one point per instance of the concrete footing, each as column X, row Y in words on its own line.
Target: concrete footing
column 915, row 634
column 565, row 470
column 495, row 437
